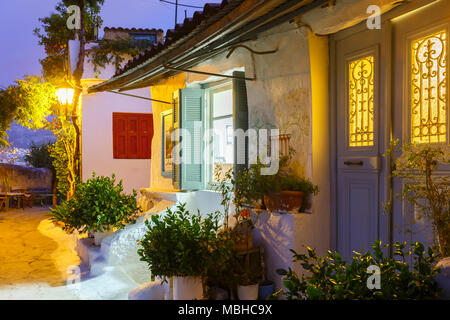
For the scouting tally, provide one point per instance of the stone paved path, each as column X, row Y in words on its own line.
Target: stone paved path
column 33, row 252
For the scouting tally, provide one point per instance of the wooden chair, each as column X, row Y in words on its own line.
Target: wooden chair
column 3, row 200
column 18, row 202
column 28, row 199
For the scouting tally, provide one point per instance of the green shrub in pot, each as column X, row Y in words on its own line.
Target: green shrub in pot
column 181, row 244
column 98, row 205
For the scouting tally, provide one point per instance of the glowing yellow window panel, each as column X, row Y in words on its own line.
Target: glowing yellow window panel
column 360, row 102
column 429, row 88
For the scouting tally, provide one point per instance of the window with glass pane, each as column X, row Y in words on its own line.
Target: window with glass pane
column 429, row 88
column 361, row 102
column 222, row 125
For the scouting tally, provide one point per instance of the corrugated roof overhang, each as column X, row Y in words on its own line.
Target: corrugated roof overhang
column 237, row 22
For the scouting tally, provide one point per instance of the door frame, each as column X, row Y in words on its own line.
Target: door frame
column 385, row 131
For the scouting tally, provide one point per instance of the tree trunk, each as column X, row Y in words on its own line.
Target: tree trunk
column 77, row 76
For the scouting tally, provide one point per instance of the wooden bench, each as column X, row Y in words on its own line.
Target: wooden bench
column 40, row 194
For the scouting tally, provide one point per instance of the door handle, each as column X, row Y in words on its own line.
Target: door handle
column 354, row 163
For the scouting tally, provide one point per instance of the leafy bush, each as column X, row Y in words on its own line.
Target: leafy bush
column 39, row 156
column 331, row 277
column 97, row 205
column 182, row 244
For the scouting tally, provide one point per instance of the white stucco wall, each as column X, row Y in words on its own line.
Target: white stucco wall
column 97, row 145
column 97, row 132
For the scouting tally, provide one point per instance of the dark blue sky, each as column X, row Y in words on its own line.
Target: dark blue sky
column 20, row 53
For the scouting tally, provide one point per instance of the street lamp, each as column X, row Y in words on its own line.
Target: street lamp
column 65, row 95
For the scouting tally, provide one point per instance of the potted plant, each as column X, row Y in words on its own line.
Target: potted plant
column 248, row 283
column 288, row 193
column 283, row 191
column 98, row 206
column 180, row 245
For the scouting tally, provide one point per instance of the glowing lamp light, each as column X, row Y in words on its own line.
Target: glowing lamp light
column 65, row 95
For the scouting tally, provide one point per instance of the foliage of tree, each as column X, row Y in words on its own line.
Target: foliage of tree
column 39, row 156
column 29, row 102
column 54, row 36
column 7, row 112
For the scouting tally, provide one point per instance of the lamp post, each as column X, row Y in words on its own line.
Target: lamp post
column 65, row 94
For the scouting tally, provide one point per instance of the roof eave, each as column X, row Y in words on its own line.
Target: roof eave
column 146, row 73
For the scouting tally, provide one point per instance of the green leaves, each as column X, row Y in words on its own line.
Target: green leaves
column 330, row 277
column 54, row 36
column 427, row 192
column 179, row 243
column 28, row 101
column 98, row 205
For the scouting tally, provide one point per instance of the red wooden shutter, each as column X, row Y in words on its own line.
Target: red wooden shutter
column 120, row 136
column 145, row 136
column 133, row 137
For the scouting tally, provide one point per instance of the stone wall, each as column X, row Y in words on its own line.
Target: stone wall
column 22, row 177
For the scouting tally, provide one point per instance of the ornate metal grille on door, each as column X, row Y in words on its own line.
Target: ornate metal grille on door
column 429, row 88
column 361, row 102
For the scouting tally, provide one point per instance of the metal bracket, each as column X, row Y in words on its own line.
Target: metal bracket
column 139, row 97
column 205, row 73
column 250, row 49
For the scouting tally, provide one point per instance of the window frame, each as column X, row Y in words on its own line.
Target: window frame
column 164, row 172
column 210, row 89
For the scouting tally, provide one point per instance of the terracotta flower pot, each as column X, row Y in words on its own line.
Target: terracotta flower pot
column 284, row 201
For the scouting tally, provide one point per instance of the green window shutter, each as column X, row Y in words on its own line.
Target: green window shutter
column 176, row 168
column 191, row 117
column 240, row 112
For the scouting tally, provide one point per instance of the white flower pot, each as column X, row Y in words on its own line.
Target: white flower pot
column 248, row 292
column 187, row 288
column 99, row 236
